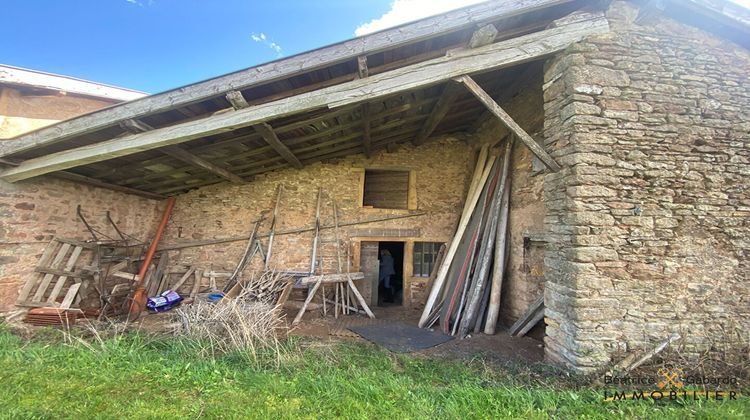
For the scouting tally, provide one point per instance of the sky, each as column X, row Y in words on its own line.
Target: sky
column 156, row 45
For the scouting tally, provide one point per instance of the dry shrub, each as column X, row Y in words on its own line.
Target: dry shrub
column 248, row 324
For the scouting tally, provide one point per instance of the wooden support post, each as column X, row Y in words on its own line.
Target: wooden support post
column 483, row 36
column 266, row 131
column 506, row 119
column 272, row 235
column 237, row 100
column 362, row 69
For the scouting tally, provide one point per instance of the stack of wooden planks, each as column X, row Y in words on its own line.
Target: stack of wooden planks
column 466, row 291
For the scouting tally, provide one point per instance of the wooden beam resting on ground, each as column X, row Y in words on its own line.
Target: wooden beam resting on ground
column 531, row 317
column 490, row 57
column 276, row 70
column 506, row 119
column 266, row 131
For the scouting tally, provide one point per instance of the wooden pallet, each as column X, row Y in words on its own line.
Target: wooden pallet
column 50, row 278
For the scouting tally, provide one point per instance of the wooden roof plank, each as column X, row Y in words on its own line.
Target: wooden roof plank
column 275, row 70
column 491, row 57
column 266, row 131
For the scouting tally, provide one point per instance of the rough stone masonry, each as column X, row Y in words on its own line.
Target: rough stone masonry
column 650, row 219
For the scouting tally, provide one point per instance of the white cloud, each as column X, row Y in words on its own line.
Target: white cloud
column 263, row 39
column 140, row 3
column 403, row 11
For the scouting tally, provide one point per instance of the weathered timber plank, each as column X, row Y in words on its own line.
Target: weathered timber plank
column 509, row 122
column 266, row 131
column 187, row 157
column 315, row 59
column 490, row 57
column 332, row 278
column 450, row 93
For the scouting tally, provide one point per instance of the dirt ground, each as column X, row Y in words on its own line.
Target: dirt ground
column 500, row 347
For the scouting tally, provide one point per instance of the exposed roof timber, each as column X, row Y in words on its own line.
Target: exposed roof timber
column 508, row 121
column 179, row 153
column 70, row 176
column 491, row 57
column 450, row 93
column 237, row 100
column 483, row 36
column 362, row 69
column 136, row 126
column 337, row 53
column 266, row 131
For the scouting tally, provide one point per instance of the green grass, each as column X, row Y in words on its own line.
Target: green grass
column 157, row 378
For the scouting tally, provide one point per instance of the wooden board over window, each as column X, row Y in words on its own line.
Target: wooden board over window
column 386, row 189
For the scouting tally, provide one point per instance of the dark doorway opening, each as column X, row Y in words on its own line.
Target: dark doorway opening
column 393, row 296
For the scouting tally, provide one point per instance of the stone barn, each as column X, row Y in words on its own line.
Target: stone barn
column 629, row 207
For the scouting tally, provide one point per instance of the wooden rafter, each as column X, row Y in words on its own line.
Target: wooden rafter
column 266, row 131
column 508, row 121
column 70, row 176
column 379, row 41
column 443, row 105
column 490, row 57
column 177, row 152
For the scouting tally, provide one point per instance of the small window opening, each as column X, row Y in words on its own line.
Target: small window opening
column 425, row 254
column 386, row 189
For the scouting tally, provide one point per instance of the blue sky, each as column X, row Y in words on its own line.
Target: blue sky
column 160, row 44
column 155, row 45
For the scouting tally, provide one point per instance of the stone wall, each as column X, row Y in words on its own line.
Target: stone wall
column 650, row 217
column 33, row 212
column 441, row 170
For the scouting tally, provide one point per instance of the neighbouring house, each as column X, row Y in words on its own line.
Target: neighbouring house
column 629, row 205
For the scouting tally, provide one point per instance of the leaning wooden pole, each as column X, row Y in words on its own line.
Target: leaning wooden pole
column 273, row 228
column 506, row 120
column 474, row 302
column 437, row 286
column 493, row 311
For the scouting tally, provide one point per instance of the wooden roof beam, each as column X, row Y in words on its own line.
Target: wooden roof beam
column 490, row 57
column 179, row 153
column 451, row 91
column 483, row 36
column 237, row 100
column 506, row 119
column 266, row 131
column 276, row 70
